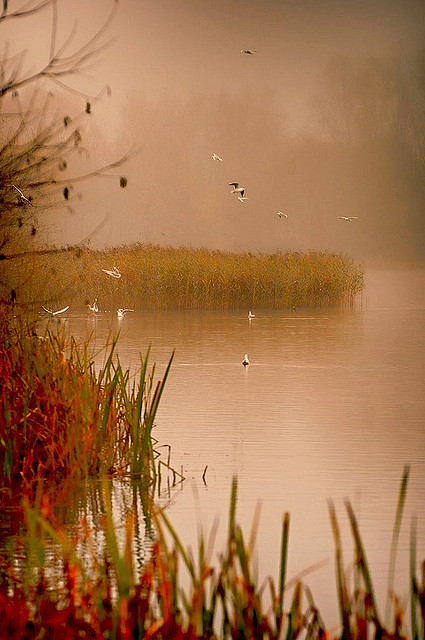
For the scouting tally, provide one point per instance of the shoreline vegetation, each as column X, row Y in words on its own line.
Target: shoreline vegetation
column 113, row 598
column 155, row 277
column 62, row 421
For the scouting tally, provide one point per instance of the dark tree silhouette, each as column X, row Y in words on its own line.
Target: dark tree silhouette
column 36, row 143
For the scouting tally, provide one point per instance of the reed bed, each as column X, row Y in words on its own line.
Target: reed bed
column 155, row 277
column 62, row 420
column 224, row 600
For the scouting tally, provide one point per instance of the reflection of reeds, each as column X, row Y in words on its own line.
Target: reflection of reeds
column 61, row 420
column 224, row 601
column 156, row 277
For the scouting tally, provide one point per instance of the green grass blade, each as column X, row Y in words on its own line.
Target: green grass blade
column 394, row 541
column 344, row 604
column 361, row 561
column 413, row 618
column 232, row 511
column 282, row 572
column 189, row 564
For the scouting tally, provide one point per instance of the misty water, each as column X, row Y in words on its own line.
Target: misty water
column 331, row 406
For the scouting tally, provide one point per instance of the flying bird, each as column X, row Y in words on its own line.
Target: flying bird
column 114, row 272
column 281, row 214
column 251, row 315
column 245, row 361
column 249, row 52
column 238, row 191
column 237, row 188
column 22, row 195
column 348, row 218
column 216, row 157
column 121, row 312
column 94, row 307
column 55, row 313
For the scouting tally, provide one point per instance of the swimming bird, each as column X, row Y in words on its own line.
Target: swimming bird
column 251, row 315
column 114, row 272
column 245, row 361
column 121, row 312
column 281, row 214
column 216, row 157
column 94, row 307
column 55, row 313
column 348, row 218
column 22, row 195
column 250, row 52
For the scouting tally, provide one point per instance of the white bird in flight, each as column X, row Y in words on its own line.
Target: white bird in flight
column 216, row 157
column 251, row 315
column 245, row 361
column 281, row 214
column 94, row 307
column 114, row 272
column 250, row 52
column 22, row 195
column 55, row 313
column 348, row 218
column 121, row 312
column 237, row 188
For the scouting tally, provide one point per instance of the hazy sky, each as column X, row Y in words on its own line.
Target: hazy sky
column 187, row 46
column 168, row 54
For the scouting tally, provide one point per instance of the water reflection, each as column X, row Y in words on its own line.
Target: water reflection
column 332, row 405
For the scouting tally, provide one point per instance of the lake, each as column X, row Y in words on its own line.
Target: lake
column 331, row 406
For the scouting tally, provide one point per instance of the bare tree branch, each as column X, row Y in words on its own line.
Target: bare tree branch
column 37, row 143
column 23, row 11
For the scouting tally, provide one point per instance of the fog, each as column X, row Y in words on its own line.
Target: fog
column 326, row 119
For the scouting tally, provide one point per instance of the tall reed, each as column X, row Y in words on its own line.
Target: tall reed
column 61, row 419
column 156, row 277
column 224, row 599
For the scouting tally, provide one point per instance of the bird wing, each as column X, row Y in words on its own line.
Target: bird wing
column 234, row 184
column 48, row 310
column 55, row 313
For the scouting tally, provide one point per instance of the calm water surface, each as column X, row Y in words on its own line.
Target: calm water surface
column 331, row 406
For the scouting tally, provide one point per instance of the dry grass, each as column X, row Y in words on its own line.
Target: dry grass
column 155, row 277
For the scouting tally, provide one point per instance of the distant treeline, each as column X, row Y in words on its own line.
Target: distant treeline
column 153, row 277
column 359, row 152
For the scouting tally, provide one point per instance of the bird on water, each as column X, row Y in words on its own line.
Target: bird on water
column 94, row 307
column 245, row 361
column 121, row 312
column 56, row 313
